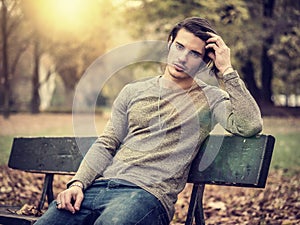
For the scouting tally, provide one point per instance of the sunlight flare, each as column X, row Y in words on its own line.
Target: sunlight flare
column 67, row 14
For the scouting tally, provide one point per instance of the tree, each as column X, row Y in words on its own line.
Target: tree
column 157, row 17
column 12, row 47
column 35, row 98
column 266, row 63
column 73, row 44
column 274, row 19
column 5, row 72
column 285, row 55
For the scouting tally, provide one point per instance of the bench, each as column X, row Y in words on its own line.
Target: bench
column 222, row 160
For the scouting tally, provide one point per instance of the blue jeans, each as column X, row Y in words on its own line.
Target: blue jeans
column 108, row 203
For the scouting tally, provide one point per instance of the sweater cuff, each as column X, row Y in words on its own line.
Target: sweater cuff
column 232, row 79
column 230, row 76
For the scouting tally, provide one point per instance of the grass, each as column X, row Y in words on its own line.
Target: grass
column 5, row 146
column 286, row 131
column 286, row 153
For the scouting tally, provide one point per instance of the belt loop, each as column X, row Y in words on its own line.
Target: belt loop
column 112, row 184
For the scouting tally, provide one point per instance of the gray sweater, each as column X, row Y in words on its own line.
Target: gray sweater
column 156, row 128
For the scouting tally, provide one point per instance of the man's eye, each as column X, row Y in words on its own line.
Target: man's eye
column 179, row 47
column 195, row 54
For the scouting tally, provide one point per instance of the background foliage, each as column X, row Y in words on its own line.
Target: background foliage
column 263, row 37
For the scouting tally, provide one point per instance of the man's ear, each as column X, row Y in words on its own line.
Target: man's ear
column 169, row 45
column 170, row 42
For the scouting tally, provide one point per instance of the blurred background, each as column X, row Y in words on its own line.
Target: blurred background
column 47, row 45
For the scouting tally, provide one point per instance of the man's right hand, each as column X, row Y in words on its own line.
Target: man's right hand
column 71, row 198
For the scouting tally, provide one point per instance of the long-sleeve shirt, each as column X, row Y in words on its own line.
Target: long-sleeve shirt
column 156, row 128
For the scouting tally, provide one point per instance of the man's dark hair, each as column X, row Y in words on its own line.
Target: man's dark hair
column 196, row 25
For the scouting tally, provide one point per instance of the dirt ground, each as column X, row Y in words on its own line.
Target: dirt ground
column 60, row 124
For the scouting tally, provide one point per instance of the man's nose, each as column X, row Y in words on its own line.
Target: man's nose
column 183, row 56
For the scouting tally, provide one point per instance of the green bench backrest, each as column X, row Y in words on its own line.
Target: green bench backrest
column 57, row 155
column 229, row 160
column 233, row 160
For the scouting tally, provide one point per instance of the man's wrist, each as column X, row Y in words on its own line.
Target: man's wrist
column 77, row 184
column 227, row 70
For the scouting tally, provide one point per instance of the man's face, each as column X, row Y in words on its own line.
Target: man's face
column 185, row 56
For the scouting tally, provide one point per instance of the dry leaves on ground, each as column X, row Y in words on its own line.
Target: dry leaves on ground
column 278, row 203
column 28, row 210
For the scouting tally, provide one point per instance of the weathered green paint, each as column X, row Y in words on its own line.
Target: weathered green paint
column 59, row 155
column 240, row 161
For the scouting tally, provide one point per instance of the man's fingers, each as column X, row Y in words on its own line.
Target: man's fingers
column 215, row 39
column 69, row 197
column 58, row 201
column 58, row 204
column 211, row 45
column 221, row 53
column 212, row 56
column 78, row 201
column 64, row 201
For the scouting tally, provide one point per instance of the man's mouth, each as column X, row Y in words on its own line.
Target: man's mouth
column 178, row 67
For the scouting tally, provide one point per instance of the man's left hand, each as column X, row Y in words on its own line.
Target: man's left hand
column 221, row 53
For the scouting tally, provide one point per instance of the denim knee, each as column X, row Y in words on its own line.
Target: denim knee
column 134, row 207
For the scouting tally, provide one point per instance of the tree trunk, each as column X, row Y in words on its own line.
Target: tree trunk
column 35, row 98
column 267, row 73
column 5, row 72
column 266, row 63
column 69, row 96
column 248, row 72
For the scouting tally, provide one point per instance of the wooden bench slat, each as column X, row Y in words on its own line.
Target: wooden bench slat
column 57, row 155
column 233, row 160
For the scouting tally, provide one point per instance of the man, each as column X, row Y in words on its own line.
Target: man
column 136, row 168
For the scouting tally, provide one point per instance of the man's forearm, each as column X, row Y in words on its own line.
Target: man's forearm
column 243, row 114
